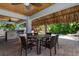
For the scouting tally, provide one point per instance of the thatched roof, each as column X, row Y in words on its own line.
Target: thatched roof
column 64, row 16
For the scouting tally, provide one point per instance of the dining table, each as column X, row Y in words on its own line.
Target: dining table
column 39, row 39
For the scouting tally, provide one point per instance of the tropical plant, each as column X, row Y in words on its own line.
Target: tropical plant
column 5, row 26
column 64, row 28
column 10, row 26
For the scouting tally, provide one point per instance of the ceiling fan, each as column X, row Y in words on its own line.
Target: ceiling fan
column 9, row 21
column 28, row 5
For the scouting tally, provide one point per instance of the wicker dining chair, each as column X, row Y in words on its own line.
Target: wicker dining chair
column 32, row 37
column 25, row 45
column 50, row 43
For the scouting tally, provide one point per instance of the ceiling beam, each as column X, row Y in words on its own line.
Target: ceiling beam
column 52, row 9
column 12, row 14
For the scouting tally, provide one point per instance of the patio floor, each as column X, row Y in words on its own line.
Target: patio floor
column 66, row 48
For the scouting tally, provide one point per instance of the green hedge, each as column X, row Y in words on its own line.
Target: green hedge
column 13, row 26
column 64, row 28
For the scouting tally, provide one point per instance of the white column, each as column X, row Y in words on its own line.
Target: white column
column 28, row 25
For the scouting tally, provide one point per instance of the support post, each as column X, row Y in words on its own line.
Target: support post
column 45, row 27
column 28, row 25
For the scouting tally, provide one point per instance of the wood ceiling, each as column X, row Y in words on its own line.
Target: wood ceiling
column 6, row 18
column 21, row 9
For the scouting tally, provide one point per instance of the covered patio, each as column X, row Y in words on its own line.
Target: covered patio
column 39, row 14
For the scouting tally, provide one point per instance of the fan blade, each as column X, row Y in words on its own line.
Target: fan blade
column 36, row 4
column 16, row 3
